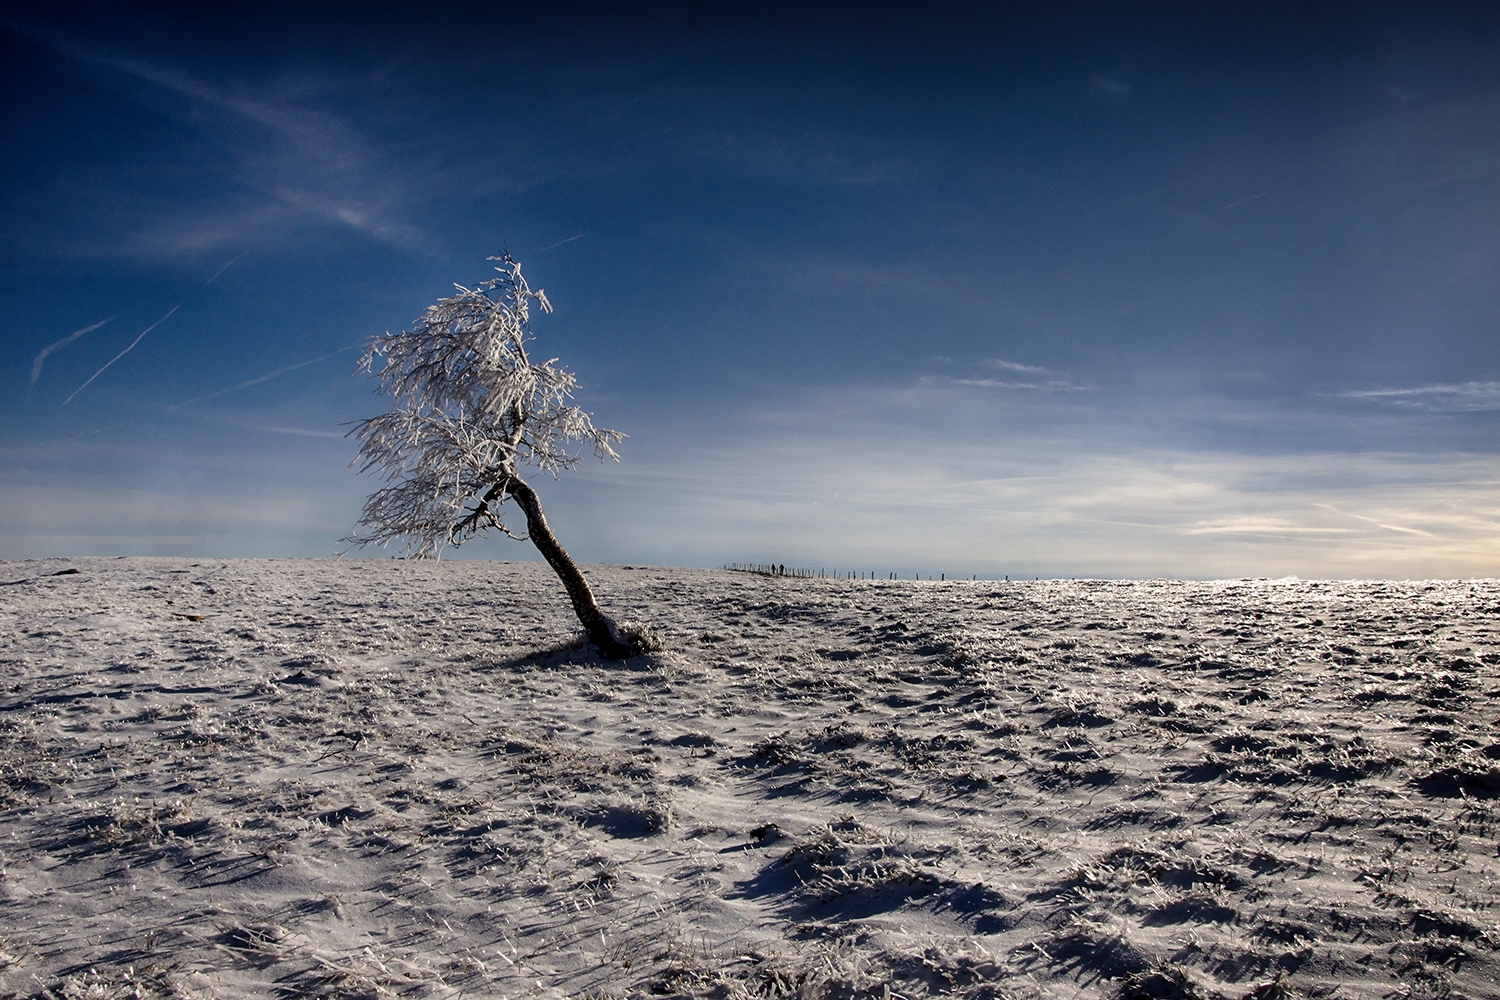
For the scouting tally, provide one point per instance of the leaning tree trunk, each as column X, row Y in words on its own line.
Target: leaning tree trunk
column 601, row 631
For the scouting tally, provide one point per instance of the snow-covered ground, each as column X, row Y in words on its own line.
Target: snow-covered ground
column 369, row 778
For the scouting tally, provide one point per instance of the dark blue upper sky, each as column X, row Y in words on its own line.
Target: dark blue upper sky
column 1119, row 290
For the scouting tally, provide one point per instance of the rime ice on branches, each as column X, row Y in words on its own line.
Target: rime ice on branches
column 469, row 407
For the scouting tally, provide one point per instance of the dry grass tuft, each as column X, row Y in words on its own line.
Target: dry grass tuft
column 149, row 982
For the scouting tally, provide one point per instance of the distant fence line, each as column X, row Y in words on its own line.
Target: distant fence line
column 773, row 569
column 780, row 569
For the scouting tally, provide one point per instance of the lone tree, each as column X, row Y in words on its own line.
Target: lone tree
column 470, row 407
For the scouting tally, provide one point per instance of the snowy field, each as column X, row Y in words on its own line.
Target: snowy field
column 309, row 778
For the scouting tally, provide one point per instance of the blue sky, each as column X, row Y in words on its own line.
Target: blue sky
column 1120, row 291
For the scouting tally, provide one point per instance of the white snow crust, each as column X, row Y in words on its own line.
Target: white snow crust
column 255, row 778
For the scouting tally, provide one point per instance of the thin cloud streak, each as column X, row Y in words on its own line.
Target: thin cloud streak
column 1460, row 397
column 1381, row 524
column 117, row 357
column 294, row 431
column 1259, row 526
column 991, row 383
column 221, row 270
column 36, row 366
column 559, row 243
column 1012, row 366
column 1243, row 201
column 1052, row 380
column 259, row 379
column 246, row 425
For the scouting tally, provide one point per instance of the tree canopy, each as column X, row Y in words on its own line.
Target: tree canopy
column 469, row 407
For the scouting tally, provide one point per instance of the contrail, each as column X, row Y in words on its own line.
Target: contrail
column 117, row 357
column 221, row 270
column 36, row 366
column 1378, row 524
column 1234, row 204
column 262, row 378
column 559, row 243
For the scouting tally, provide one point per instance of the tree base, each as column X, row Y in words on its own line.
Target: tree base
column 606, row 638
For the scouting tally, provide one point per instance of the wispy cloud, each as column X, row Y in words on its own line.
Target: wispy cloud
column 273, row 116
column 1142, row 514
column 117, row 357
column 1041, row 380
column 990, row 484
column 306, row 161
column 1110, row 91
column 1461, row 397
column 1055, row 385
column 1011, row 366
column 54, row 347
column 356, row 215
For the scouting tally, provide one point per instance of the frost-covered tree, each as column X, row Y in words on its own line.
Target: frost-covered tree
column 470, row 408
